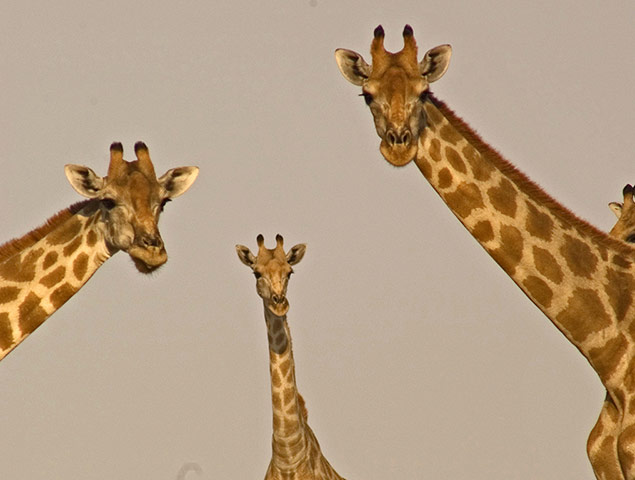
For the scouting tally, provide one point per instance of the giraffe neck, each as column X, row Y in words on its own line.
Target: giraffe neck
column 42, row 270
column 578, row 276
column 289, row 440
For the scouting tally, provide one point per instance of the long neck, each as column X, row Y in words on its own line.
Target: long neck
column 289, row 440
column 578, row 276
column 42, row 270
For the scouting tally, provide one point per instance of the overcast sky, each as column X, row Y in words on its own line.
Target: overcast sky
column 417, row 356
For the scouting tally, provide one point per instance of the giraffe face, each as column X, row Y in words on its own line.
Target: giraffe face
column 624, row 228
column 131, row 199
column 395, row 88
column 272, row 269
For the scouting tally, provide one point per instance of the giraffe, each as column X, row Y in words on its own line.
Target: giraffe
column 579, row 277
column 41, row 270
column 296, row 451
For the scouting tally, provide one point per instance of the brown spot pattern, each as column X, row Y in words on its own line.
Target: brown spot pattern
column 53, row 278
column 71, row 247
column 606, row 358
column 61, row 294
column 18, row 270
column 435, row 150
column 49, row 260
column 6, row 333
column 80, row 266
column 434, row 116
column 510, row 253
column 538, row 290
column 481, row 169
column 91, row 238
column 69, row 230
column 503, row 198
column 31, row 314
column 619, row 289
column 547, row 265
column 464, row 199
column 449, row 134
column 621, row 261
column 455, row 160
column 8, row 294
column 579, row 257
column 445, row 178
column 583, row 315
column 483, row 231
column 538, row 224
column 424, row 166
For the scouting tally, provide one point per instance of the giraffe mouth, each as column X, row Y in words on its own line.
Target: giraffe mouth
column 280, row 308
column 148, row 260
column 398, row 154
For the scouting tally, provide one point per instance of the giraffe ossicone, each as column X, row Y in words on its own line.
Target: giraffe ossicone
column 296, row 453
column 581, row 278
column 41, row 270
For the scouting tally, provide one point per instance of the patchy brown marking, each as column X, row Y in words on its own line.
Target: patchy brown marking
column 69, row 230
column 605, row 359
column 275, row 379
column 538, row 224
column 579, row 257
column 583, row 315
column 424, row 166
column 464, row 199
column 49, row 260
column 547, row 265
column 435, row 150
column 483, row 231
column 539, row 291
column 455, row 160
column 71, row 247
column 91, row 238
column 53, row 278
column 619, row 289
column 503, row 198
column 80, row 266
column 8, row 294
column 449, row 134
column 445, row 178
column 18, row 270
column 31, row 314
column 510, row 253
column 288, row 395
column 6, row 333
column 481, row 170
column 61, row 294
column 435, row 117
column 621, row 261
column 604, row 253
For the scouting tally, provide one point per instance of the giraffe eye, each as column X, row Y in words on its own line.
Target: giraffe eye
column 368, row 98
column 631, row 238
column 257, row 275
column 423, row 96
column 108, row 203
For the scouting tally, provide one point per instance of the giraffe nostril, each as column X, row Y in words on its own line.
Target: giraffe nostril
column 405, row 137
column 391, row 138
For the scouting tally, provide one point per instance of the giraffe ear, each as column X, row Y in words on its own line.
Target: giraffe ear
column 616, row 208
column 85, row 182
column 176, row 181
column 352, row 65
column 296, row 254
column 435, row 62
column 245, row 256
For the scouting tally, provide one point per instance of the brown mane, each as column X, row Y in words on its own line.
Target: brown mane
column 528, row 186
column 12, row 247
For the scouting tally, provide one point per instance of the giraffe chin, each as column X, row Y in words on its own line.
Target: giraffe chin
column 279, row 310
column 147, row 262
column 398, row 155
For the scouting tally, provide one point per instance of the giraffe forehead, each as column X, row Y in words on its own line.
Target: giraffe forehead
column 396, row 81
column 136, row 188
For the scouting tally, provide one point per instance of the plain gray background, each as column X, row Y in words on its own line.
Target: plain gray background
column 417, row 356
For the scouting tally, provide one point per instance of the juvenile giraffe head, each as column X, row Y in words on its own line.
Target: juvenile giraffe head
column 395, row 86
column 131, row 199
column 624, row 229
column 272, row 269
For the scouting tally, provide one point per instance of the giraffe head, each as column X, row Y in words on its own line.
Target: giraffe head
column 624, row 229
column 395, row 87
column 130, row 200
column 272, row 269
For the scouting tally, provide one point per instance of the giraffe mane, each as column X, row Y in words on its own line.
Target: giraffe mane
column 527, row 185
column 15, row 246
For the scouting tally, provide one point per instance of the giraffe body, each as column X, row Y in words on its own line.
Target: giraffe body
column 578, row 276
column 296, row 453
column 40, row 271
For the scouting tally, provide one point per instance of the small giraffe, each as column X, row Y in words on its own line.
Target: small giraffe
column 296, row 451
column 40, row 271
column 579, row 277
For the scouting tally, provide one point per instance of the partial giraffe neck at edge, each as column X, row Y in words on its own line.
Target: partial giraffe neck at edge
column 578, row 276
column 40, row 271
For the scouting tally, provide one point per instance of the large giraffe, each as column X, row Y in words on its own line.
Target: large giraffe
column 40, row 271
column 578, row 276
column 296, row 451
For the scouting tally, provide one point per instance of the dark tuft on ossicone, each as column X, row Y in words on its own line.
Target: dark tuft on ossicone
column 140, row 146
column 116, row 147
column 407, row 31
column 379, row 31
